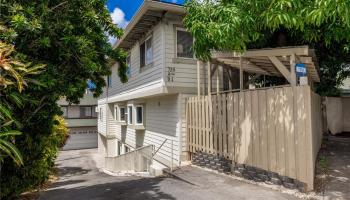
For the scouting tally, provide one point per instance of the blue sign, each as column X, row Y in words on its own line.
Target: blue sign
column 300, row 69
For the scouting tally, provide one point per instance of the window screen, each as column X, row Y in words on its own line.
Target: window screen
column 146, row 53
column 149, row 51
column 184, row 44
column 85, row 111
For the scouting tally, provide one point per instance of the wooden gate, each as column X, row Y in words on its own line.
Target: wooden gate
column 275, row 129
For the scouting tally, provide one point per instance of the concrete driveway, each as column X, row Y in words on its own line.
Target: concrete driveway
column 79, row 178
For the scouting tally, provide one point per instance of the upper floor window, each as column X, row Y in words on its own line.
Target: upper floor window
column 128, row 66
column 184, row 43
column 146, row 52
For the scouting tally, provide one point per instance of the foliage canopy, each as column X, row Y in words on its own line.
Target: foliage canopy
column 238, row 25
column 69, row 38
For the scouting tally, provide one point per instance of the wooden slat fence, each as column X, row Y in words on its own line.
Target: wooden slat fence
column 275, row 129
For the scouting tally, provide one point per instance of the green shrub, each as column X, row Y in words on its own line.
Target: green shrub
column 37, row 165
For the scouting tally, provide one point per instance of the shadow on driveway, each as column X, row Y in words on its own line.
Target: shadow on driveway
column 144, row 188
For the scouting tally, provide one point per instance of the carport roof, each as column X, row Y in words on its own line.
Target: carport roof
column 269, row 61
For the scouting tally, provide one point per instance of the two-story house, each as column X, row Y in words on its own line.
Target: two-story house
column 81, row 121
column 150, row 108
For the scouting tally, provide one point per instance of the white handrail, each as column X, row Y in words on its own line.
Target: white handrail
column 159, row 147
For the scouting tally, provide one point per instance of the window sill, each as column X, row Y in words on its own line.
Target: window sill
column 138, row 127
column 146, row 67
column 188, row 61
column 122, row 123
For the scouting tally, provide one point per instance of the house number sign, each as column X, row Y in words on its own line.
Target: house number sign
column 171, row 74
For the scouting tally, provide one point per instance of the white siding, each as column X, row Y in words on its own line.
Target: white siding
column 150, row 74
column 101, row 122
column 179, row 72
column 161, row 123
column 185, row 75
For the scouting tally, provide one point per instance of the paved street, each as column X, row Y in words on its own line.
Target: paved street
column 79, row 178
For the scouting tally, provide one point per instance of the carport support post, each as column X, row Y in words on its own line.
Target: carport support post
column 293, row 78
column 198, row 78
column 217, row 79
column 209, row 78
column 240, row 74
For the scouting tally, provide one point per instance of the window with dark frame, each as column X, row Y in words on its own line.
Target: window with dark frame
column 129, row 114
column 122, row 114
column 139, row 115
column 184, row 43
column 146, row 52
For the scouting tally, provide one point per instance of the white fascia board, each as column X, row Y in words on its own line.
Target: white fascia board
column 147, row 90
column 148, row 5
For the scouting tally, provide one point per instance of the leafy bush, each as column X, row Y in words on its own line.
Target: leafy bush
column 38, row 165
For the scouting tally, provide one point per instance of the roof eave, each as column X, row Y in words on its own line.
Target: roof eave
column 147, row 5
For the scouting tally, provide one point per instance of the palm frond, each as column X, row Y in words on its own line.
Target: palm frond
column 10, row 133
column 12, row 151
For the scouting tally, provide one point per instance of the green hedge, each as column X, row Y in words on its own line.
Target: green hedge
column 39, row 154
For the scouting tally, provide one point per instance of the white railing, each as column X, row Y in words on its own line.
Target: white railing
column 138, row 160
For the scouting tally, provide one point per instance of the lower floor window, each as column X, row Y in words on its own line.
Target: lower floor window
column 127, row 149
column 139, row 115
column 129, row 114
column 119, row 148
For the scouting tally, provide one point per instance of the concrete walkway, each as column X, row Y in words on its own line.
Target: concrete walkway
column 79, row 178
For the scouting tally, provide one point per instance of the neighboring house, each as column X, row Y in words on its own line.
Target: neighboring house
column 345, row 88
column 82, row 122
column 150, row 108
